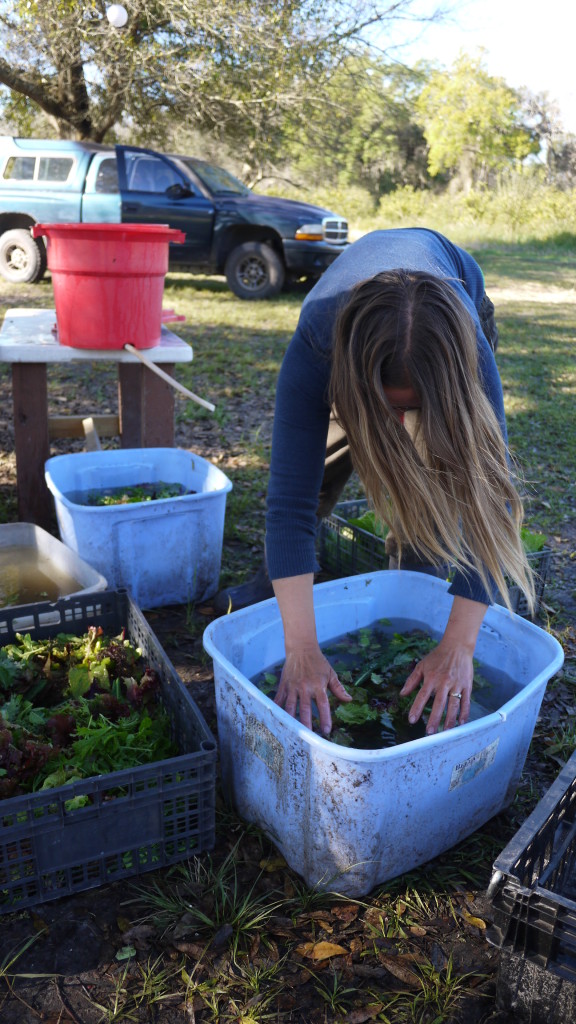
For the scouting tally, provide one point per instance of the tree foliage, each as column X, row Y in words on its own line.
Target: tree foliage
column 367, row 123
column 237, row 70
column 281, row 85
column 472, row 122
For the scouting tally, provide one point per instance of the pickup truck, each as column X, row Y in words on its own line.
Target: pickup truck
column 260, row 243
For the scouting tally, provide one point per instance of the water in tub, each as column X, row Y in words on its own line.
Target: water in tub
column 26, row 577
column 373, row 664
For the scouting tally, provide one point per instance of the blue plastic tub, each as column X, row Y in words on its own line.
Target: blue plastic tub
column 348, row 819
column 166, row 551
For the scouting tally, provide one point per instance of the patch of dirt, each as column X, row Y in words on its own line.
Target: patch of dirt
column 532, row 293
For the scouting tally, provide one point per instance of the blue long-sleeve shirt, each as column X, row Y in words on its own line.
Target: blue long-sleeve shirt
column 302, row 407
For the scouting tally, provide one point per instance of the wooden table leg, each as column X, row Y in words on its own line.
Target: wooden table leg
column 145, row 406
column 31, row 443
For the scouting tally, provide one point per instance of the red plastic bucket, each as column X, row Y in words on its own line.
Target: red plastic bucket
column 108, row 282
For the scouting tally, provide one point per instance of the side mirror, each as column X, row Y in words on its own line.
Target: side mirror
column 178, row 191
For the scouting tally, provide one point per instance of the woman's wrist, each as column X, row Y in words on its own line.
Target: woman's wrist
column 464, row 623
column 295, row 598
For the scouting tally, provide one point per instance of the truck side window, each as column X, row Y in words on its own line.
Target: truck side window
column 44, row 168
column 20, row 168
column 54, row 168
column 107, row 177
column 149, row 174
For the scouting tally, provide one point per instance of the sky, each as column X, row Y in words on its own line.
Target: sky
column 529, row 43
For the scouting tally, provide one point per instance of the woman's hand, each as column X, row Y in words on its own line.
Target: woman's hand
column 443, row 673
column 447, row 672
column 307, row 677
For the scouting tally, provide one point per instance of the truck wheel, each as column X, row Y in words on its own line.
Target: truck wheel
column 254, row 271
column 21, row 258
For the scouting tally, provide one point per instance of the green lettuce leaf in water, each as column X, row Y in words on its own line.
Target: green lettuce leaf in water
column 355, row 714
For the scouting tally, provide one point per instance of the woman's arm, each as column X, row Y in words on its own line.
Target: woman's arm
column 307, row 675
column 448, row 669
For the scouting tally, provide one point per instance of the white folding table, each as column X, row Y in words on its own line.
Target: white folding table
column 29, row 342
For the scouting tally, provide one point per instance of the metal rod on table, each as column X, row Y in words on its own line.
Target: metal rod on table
column 169, row 380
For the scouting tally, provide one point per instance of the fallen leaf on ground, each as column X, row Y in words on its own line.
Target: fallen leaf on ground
column 222, row 937
column 289, row 889
column 272, row 863
column 138, row 933
column 394, row 965
column 346, row 913
column 313, row 915
column 367, row 1013
column 321, row 950
column 477, row 922
column 373, row 917
column 190, row 948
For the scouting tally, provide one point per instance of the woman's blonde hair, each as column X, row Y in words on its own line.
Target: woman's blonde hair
column 446, row 491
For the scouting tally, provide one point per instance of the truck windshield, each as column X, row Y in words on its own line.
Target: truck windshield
column 216, row 179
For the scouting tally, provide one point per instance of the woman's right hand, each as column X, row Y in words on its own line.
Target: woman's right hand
column 306, row 678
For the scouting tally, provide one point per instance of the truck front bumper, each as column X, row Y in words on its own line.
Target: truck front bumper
column 309, row 258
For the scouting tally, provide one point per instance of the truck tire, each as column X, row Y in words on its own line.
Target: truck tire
column 21, row 258
column 254, row 271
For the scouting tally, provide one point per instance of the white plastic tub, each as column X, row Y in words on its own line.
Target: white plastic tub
column 25, row 548
column 348, row 819
column 166, row 551
column 28, row 554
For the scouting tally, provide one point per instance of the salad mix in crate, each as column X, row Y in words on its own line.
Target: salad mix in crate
column 107, row 767
column 72, row 707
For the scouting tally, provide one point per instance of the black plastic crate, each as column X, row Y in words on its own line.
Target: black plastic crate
column 138, row 819
column 533, row 888
column 347, row 550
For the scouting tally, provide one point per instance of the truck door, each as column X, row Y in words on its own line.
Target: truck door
column 101, row 199
column 154, row 191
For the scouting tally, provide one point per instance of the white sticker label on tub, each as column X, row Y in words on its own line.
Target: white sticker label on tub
column 264, row 745
column 467, row 770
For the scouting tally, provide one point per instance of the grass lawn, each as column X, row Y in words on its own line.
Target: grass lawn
column 231, row 936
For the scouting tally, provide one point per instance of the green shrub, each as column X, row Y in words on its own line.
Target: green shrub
column 520, row 208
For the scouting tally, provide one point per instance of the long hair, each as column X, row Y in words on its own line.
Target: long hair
column 445, row 490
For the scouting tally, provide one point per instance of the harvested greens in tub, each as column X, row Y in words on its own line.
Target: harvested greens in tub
column 373, row 664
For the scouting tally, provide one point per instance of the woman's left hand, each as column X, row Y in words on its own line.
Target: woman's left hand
column 447, row 672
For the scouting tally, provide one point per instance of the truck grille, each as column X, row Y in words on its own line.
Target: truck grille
column 335, row 230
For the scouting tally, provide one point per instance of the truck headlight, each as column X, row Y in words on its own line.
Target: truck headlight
column 310, row 233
